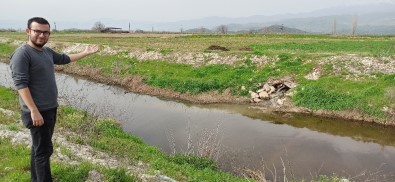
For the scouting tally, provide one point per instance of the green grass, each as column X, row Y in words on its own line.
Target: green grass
column 329, row 46
column 187, row 78
column 9, row 99
column 15, row 162
column 333, row 93
column 15, row 166
column 80, row 173
column 274, row 44
column 296, row 56
column 314, row 97
column 6, row 50
column 368, row 95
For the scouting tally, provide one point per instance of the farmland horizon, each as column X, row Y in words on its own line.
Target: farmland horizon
column 369, row 15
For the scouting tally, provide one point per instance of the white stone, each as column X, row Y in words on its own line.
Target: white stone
column 266, row 87
column 254, row 95
column 256, row 100
column 263, row 95
column 272, row 89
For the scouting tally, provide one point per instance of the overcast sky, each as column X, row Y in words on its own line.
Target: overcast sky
column 160, row 10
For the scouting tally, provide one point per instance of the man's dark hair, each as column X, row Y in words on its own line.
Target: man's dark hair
column 38, row 20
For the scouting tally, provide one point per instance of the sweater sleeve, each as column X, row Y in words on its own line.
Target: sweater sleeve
column 19, row 65
column 59, row 58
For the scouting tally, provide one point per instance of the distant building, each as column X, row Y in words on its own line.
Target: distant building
column 113, row 30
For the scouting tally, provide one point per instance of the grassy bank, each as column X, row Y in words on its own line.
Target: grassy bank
column 104, row 135
column 346, row 82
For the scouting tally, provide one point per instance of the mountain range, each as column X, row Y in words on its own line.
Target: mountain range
column 365, row 19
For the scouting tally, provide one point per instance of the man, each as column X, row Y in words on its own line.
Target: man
column 33, row 73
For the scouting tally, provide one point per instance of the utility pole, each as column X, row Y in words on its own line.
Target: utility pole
column 282, row 28
column 334, row 27
column 354, row 24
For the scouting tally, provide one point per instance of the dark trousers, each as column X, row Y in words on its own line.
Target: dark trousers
column 42, row 147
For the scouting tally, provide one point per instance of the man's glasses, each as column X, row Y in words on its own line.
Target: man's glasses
column 39, row 32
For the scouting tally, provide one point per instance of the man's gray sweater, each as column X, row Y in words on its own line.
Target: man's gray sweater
column 34, row 69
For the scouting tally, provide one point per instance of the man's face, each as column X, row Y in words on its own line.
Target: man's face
column 38, row 34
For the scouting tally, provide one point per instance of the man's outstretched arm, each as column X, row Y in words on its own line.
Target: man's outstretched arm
column 88, row 51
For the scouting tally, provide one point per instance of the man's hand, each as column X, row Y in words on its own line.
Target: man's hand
column 88, row 51
column 91, row 49
column 37, row 118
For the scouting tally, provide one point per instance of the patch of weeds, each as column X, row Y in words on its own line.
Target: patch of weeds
column 6, row 50
column 110, row 128
column 119, row 67
column 8, row 99
column 65, row 151
column 315, row 97
column 165, row 51
column 150, row 49
column 123, row 53
column 328, row 68
column 285, row 66
column 390, row 94
column 373, row 111
column 196, row 161
column 193, row 86
column 334, row 93
column 118, row 175
column 15, row 161
column 335, row 46
column 66, row 172
column 13, row 127
column 7, row 119
column 75, row 139
column 324, row 178
column 74, row 121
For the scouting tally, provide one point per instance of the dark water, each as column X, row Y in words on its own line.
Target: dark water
column 243, row 136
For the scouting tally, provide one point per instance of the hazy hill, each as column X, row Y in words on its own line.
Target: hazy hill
column 370, row 19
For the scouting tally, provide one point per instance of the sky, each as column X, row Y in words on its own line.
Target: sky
column 159, row 10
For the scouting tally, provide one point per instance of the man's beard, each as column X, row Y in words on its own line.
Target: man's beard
column 34, row 41
column 38, row 45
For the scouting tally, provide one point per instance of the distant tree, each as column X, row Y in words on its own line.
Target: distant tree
column 202, row 29
column 98, row 26
column 222, row 29
column 252, row 31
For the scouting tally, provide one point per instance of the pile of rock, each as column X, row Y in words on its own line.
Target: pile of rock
column 271, row 90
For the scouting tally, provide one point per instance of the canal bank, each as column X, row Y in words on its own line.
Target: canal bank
column 245, row 137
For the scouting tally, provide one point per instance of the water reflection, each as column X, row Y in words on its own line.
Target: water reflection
column 247, row 137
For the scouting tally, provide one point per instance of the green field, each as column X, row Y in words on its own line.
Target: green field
column 344, row 85
column 346, row 82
